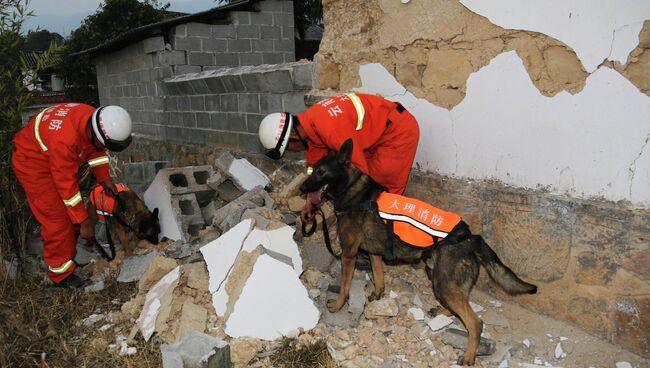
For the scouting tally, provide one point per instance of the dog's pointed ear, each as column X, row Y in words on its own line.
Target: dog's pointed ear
column 345, row 152
column 155, row 212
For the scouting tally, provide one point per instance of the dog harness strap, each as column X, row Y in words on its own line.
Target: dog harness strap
column 389, row 253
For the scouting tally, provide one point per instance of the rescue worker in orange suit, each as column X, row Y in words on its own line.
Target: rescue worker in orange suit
column 385, row 136
column 48, row 153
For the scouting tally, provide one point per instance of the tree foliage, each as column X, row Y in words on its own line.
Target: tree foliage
column 14, row 99
column 306, row 13
column 41, row 40
column 112, row 18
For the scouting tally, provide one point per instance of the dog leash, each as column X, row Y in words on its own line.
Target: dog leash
column 326, row 234
column 111, row 245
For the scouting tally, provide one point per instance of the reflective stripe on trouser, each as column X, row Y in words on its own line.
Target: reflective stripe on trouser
column 58, row 232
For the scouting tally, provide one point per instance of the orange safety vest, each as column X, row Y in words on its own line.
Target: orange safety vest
column 104, row 204
column 415, row 222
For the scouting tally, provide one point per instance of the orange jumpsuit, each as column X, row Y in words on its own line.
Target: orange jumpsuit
column 385, row 136
column 48, row 153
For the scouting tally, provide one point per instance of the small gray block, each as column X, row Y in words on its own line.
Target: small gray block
column 134, row 267
column 278, row 81
column 153, row 44
column 271, row 6
column 253, row 122
column 212, row 102
column 262, row 18
column 197, row 103
column 203, row 120
column 229, row 102
column 223, row 31
column 284, row 45
column 293, row 102
column 186, row 43
column 200, row 58
column 233, row 83
column 249, row 102
column 185, row 69
column 270, row 103
column 189, row 119
column 248, row 32
column 199, row 29
column 199, row 86
column 215, row 85
column 249, row 142
column 227, row 59
column 318, row 256
column 239, row 45
column 262, row 45
column 253, row 82
column 458, row 339
column 272, row 58
column 240, row 17
column 198, row 350
column 250, row 59
column 302, row 76
column 236, row 122
column 270, row 32
column 211, row 45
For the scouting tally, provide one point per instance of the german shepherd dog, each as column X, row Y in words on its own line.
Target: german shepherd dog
column 129, row 216
column 452, row 266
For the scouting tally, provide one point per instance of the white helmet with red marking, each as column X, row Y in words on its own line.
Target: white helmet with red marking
column 112, row 127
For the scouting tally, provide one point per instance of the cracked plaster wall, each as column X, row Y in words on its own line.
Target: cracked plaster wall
column 510, row 104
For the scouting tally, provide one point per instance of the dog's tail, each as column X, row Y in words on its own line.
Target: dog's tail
column 500, row 273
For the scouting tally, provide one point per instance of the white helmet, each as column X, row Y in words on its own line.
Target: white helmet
column 274, row 133
column 112, row 127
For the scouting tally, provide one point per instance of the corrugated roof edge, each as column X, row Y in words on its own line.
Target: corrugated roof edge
column 139, row 32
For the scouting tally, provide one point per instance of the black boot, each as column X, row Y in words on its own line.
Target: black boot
column 73, row 282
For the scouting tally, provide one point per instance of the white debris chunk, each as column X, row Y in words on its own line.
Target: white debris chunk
column 92, row 319
column 562, row 338
column 392, row 294
column 417, row 301
column 504, row 364
column 105, row 327
column 476, row 307
column 526, row 342
column 279, row 241
column 538, row 361
column 159, row 295
column 623, row 365
column 243, row 173
column 438, row 322
column 495, row 303
column 416, row 313
column 559, row 352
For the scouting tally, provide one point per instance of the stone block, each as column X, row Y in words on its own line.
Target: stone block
column 262, row 45
column 135, row 266
column 458, row 339
column 199, row 86
column 240, row 18
column 212, row 102
column 248, row 31
column 293, row 102
column 270, row 102
column 289, row 57
column 214, row 45
column 247, row 142
column 196, row 350
column 271, row 6
column 284, row 19
column 199, row 30
column 183, row 102
column 270, row 32
column 153, row 44
column 223, row 31
column 200, row 58
column 189, row 120
column 253, row 81
column 262, row 18
column 253, row 122
column 186, row 43
column 250, row 59
column 249, row 102
column 203, row 120
column 239, row 45
column 272, row 58
column 215, row 85
column 197, row 103
column 186, row 69
column 302, row 76
column 235, row 122
column 227, row 59
column 318, row 256
column 173, row 57
column 233, row 83
column 283, row 45
column 278, row 81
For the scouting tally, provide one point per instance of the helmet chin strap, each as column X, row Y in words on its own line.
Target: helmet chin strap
column 93, row 139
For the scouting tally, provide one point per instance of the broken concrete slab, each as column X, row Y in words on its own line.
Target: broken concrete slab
column 197, row 276
column 386, row 307
column 233, row 212
column 439, row 322
column 243, row 173
column 196, row 350
column 458, row 339
column 273, row 302
column 193, row 318
column 159, row 295
column 318, row 256
column 159, row 267
column 279, row 240
column 134, row 267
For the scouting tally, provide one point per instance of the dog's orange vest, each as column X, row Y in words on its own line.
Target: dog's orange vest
column 104, row 204
column 415, row 222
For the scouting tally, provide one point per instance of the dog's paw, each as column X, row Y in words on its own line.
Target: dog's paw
column 467, row 359
column 333, row 305
column 374, row 297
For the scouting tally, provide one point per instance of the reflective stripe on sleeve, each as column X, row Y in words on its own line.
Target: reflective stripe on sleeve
column 37, row 123
column 361, row 111
column 310, row 170
column 73, row 201
column 98, row 161
column 61, row 269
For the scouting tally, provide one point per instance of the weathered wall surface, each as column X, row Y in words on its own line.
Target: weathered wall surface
column 535, row 121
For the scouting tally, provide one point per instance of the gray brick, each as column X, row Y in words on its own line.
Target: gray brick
column 293, row 102
column 278, row 81
column 165, row 72
column 239, row 45
column 126, row 91
column 200, row 58
column 233, row 83
column 287, row 6
column 183, row 103
column 262, row 45
column 225, row 139
column 248, row 32
column 235, row 122
column 199, row 86
column 218, row 120
column 175, row 118
column 171, row 103
column 270, row 32
column 215, row 85
column 197, row 103
column 154, row 103
column 254, row 82
column 284, row 19
column 161, row 89
column 223, row 31
column 288, row 33
column 249, row 102
column 289, row 57
column 189, row 119
column 228, row 102
column 249, row 143
column 253, row 122
column 262, row 18
column 153, row 44
column 116, row 92
column 272, row 58
column 197, row 136
column 203, row 120
column 250, row 59
column 186, row 43
column 212, row 44
column 180, row 30
column 185, row 69
column 199, row 30
column 238, row 17
column 284, row 45
column 174, row 57
column 302, row 76
column 230, row 60
column 270, row 103
column 212, row 102
column 185, row 87
column 271, row 6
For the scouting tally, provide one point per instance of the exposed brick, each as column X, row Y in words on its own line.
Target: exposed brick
column 218, row 120
column 239, row 17
column 197, row 103
column 174, row 57
column 239, row 45
column 293, row 102
column 175, row 118
column 215, row 85
column 212, row 44
column 249, row 142
column 250, row 59
column 212, row 102
column 185, row 69
column 200, row 58
column 185, row 87
column 197, row 136
column 278, row 81
column 180, row 30
column 153, row 44
column 230, row 60
column 249, row 102
column 270, row 32
column 228, row 102
column 203, row 120
column 262, row 45
column 186, row 43
column 289, row 57
column 189, row 119
column 183, row 103
column 302, row 76
column 248, row 32
column 270, row 102
column 272, row 58
column 254, row 82
column 253, row 122
column 233, row 83
column 199, row 29
column 223, row 31
column 235, row 122
column 284, row 45
column 288, row 33
column 199, row 86
column 171, row 103
column 287, row 6
column 271, row 6
column 283, row 18
column 262, row 19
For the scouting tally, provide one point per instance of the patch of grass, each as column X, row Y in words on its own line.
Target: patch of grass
column 291, row 355
column 40, row 327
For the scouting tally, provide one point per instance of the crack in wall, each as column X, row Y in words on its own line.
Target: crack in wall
column 632, row 167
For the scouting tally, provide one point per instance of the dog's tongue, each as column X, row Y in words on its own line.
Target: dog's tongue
column 315, row 198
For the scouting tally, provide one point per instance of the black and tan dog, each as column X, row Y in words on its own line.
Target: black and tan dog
column 453, row 265
column 127, row 215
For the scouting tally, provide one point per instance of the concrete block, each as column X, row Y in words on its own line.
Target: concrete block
column 235, row 122
column 247, row 142
column 262, row 45
column 135, row 266
column 197, row 103
column 302, row 76
column 233, row 83
column 278, row 81
column 185, row 86
column 227, row 60
column 248, row 31
column 262, row 18
column 458, row 339
column 270, row 32
column 271, row 6
column 214, row 45
column 254, row 82
column 186, row 43
column 203, row 120
column 233, row 213
column 285, row 19
column 239, row 45
column 153, row 44
column 200, row 58
column 242, row 172
column 270, row 102
column 196, row 350
column 250, row 59
column 272, row 58
column 189, row 120
column 249, row 102
column 289, row 57
column 223, row 31
column 240, row 18
column 288, row 33
column 215, row 85
column 186, row 69
column 212, row 102
column 293, row 102
column 283, row 45
column 170, row 58
column 253, row 122
column 199, row 86
column 199, row 30
column 159, row 296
